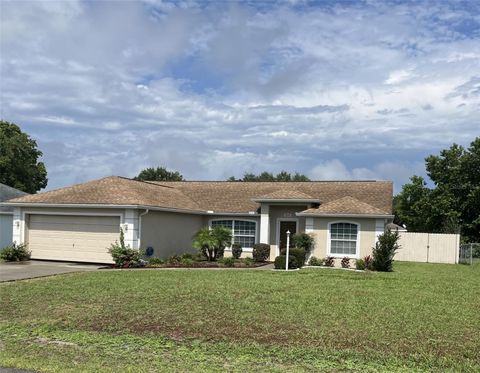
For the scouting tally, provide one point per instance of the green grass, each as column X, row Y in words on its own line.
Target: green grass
column 422, row 317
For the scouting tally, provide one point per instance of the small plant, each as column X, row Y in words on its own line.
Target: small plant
column 236, row 250
column 228, row 262
column 155, row 262
column 345, row 262
column 261, row 252
column 329, row 261
column 316, row 262
column 368, row 262
column 187, row 256
column 281, row 260
column 124, row 256
column 299, row 254
column 249, row 261
column 187, row 262
column 173, row 259
column 360, row 264
column 15, row 253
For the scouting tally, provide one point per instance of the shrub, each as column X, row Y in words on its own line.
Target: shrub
column 329, row 261
column 186, row 256
column 173, row 259
column 261, row 251
column 228, row 262
column 360, row 264
column 299, row 254
column 316, row 262
column 248, row 262
column 187, row 262
column 345, row 262
column 155, row 262
column 236, row 250
column 384, row 251
column 15, row 253
column 281, row 260
column 368, row 262
column 303, row 241
column 124, row 256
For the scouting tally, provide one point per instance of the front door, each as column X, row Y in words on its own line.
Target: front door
column 284, row 227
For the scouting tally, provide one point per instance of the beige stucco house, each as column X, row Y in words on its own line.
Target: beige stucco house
column 78, row 223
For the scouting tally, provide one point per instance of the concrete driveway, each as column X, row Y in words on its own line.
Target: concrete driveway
column 36, row 268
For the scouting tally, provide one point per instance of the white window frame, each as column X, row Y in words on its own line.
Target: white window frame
column 329, row 240
column 245, row 249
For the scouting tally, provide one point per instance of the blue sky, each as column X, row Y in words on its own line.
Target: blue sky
column 335, row 90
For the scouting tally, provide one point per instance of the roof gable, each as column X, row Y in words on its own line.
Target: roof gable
column 346, row 205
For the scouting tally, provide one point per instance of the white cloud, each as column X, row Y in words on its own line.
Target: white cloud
column 224, row 88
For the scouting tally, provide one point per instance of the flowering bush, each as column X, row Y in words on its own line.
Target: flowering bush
column 329, row 261
column 345, row 262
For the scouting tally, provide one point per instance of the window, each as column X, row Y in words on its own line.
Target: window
column 343, row 239
column 243, row 231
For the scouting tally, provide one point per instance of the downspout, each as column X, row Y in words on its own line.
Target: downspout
column 140, row 227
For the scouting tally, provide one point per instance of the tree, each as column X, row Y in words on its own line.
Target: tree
column 212, row 242
column 268, row 176
column 384, row 251
column 158, row 174
column 453, row 205
column 19, row 165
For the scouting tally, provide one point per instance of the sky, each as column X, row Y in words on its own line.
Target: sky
column 334, row 90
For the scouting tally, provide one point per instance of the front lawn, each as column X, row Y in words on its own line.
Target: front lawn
column 422, row 317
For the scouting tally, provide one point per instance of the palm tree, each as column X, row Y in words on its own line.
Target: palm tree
column 212, row 242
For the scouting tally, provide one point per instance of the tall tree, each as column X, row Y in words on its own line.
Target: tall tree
column 453, row 204
column 268, row 176
column 19, row 165
column 158, row 174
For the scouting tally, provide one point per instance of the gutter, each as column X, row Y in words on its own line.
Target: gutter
column 112, row 206
column 383, row 216
column 140, row 227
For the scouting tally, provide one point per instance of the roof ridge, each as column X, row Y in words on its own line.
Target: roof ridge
column 145, row 181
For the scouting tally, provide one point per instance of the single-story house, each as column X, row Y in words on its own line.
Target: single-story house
column 78, row 223
column 6, row 214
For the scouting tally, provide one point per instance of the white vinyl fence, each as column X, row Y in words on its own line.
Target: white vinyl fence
column 428, row 247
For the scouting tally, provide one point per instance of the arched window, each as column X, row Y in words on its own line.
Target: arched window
column 344, row 239
column 243, row 231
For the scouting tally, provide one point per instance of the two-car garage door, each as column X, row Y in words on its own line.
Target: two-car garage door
column 72, row 237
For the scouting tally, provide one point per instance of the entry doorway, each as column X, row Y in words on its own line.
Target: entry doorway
column 283, row 226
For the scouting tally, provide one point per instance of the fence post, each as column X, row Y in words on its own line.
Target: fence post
column 428, row 246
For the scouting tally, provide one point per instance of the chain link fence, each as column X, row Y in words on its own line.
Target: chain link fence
column 469, row 253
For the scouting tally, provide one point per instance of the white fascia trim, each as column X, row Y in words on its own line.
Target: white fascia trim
column 286, row 200
column 143, row 207
column 343, row 215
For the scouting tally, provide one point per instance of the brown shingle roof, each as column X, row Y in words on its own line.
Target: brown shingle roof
column 219, row 196
column 114, row 190
column 284, row 194
column 346, row 205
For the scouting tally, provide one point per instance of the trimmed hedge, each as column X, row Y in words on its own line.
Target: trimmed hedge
column 261, row 252
column 299, row 255
column 281, row 260
column 236, row 250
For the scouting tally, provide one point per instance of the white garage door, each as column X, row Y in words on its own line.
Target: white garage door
column 72, row 238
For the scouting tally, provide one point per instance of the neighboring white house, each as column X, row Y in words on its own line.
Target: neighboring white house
column 6, row 214
column 78, row 223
